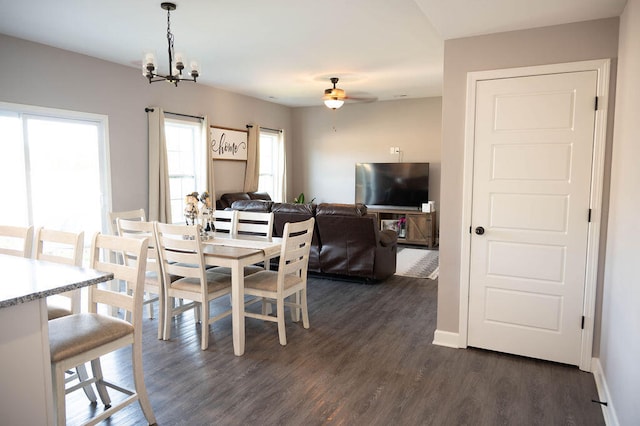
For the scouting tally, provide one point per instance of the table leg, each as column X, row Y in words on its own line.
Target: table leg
column 237, row 306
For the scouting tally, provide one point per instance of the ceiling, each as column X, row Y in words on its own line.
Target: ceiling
column 285, row 51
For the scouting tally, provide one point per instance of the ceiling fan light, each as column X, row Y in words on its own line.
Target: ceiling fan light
column 333, row 103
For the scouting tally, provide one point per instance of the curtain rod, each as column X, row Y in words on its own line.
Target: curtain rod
column 249, row 126
column 176, row 113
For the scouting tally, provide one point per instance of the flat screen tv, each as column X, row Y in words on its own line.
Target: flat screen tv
column 392, row 184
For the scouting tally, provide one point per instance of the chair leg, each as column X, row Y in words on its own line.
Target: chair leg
column 295, row 312
column 281, row 328
column 204, row 324
column 138, row 379
column 81, row 370
column 266, row 306
column 161, row 314
column 197, row 313
column 168, row 316
column 59, row 394
column 149, row 306
column 305, row 310
column 100, row 386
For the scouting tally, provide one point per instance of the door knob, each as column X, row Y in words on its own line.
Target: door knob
column 479, row 230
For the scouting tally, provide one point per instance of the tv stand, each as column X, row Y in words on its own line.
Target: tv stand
column 419, row 228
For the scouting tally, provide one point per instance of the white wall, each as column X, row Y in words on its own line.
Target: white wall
column 35, row 74
column 328, row 143
column 620, row 342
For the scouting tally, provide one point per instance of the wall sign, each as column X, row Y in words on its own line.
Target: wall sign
column 228, row 144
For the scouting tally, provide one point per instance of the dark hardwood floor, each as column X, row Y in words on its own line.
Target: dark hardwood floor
column 366, row 360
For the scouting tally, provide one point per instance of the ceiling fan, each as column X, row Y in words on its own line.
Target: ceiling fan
column 334, row 98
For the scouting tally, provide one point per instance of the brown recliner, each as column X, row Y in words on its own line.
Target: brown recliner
column 346, row 240
column 352, row 245
column 226, row 200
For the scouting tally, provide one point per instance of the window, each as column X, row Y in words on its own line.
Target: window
column 271, row 164
column 53, row 165
column 186, row 161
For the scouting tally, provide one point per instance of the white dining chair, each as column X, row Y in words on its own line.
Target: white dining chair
column 240, row 224
column 66, row 248
column 180, row 252
column 289, row 280
column 153, row 284
column 16, row 240
column 80, row 338
column 137, row 214
column 224, row 222
column 254, row 224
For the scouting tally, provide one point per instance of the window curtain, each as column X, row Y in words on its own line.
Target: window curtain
column 206, row 143
column 282, row 182
column 159, row 197
column 252, row 172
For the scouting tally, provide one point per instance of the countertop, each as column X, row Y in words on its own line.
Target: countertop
column 24, row 280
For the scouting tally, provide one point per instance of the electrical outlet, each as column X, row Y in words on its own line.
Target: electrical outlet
column 392, row 150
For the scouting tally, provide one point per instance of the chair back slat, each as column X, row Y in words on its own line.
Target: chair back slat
column 59, row 246
column 294, row 255
column 63, row 247
column 16, row 240
column 137, row 214
column 258, row 224
column 102, row 248
column 180, row 250
column 224, row 221
column 141, row 229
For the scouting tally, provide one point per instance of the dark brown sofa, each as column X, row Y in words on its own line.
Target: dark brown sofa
column 346, row 240
column 226, row 200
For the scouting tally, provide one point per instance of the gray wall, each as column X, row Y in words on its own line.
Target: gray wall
column 620, row 344
column 557, row 44
column 44, row 76
column 328, row 144
column 320, row 159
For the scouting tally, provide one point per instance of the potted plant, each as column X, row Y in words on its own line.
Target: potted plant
column 300, row 199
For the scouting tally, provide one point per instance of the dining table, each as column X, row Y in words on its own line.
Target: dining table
column 235, row 253
column 25, row 360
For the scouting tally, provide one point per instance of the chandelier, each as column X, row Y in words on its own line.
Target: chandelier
column 175, row 72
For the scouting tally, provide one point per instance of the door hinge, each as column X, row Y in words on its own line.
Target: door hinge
column 596, row 103
column 589, row 218
column 582, row 323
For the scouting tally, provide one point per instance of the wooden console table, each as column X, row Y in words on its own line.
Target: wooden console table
column 420, row 228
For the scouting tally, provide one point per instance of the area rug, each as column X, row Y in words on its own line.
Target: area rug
column 418, row 263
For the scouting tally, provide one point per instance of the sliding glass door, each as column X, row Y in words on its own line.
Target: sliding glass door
column 53, row 169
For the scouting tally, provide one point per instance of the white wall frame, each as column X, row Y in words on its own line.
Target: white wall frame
column 602, row 67
column 105, row 156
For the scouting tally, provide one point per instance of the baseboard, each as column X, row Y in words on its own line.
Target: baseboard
column 446, row 338
column 608, row 411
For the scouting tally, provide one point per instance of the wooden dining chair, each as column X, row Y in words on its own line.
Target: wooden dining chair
column 254, row 224
column 137, row 214
column 289, row 280
column 61, row 247
column 180, row 252
column 16, row 240
column 64, row 247
column 80, row 338
column 153, row 284
column 224, row 222
column 248, row 225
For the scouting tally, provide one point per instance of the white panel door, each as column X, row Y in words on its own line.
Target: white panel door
column 533, row 146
